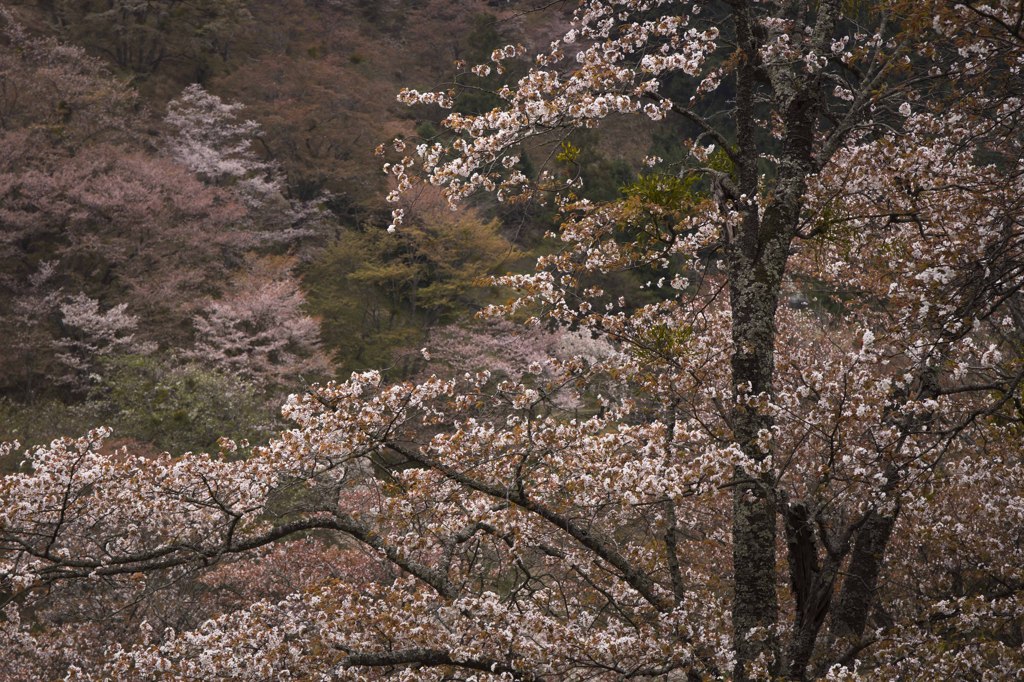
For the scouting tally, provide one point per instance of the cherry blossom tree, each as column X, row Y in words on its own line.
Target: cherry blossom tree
column 91, row 333
column 119, row 220
column 207, row 136
column 830, row 491
column 209, row 140
column 258, row 329
column 85, row 209
column 515, row 352
column 807, row 95
column 88, row 206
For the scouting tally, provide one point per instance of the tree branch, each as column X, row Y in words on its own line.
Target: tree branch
column 436, row 658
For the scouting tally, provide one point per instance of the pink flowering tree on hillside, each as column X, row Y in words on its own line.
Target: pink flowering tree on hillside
column 210, row 140
column 86, row 210
column 209, row 137
column 90, row 332
column 258, row 330
column 768, row 492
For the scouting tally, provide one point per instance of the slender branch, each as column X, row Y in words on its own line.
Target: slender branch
column 180, row 554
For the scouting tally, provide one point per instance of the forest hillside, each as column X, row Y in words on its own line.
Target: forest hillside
column 193, row 207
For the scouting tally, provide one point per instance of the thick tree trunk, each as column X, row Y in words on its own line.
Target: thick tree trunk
column 756, row 265
column 757, row 256
column 755, row 603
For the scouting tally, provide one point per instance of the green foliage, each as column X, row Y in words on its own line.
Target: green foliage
column 666, row 191
column 376, row 292
column 567, row 152
column 426, row 130
column 650, row 207
column 663, row 341
column 39, row 422
column 155, row 400
column 656, row 203
column 603, row 177
column 721, row 162
column 179, row 407
column 484, row 38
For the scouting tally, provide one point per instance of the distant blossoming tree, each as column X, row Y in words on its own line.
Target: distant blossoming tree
column 511, row 351
column 89, row 333
column 258, row 329
column 85, row 209
column 210, row 140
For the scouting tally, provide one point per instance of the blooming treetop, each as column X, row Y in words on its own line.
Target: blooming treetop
column 210, row 141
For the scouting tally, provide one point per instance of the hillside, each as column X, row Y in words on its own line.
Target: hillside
column 318, row 81
column 321, row 77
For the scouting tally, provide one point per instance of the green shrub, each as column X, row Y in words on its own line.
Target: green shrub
column 180, row 406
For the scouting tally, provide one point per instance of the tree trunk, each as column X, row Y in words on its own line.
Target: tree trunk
column 812, row 584
column 755, row 272
column 755, row 603
column 757, row 257
column 850, row 616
